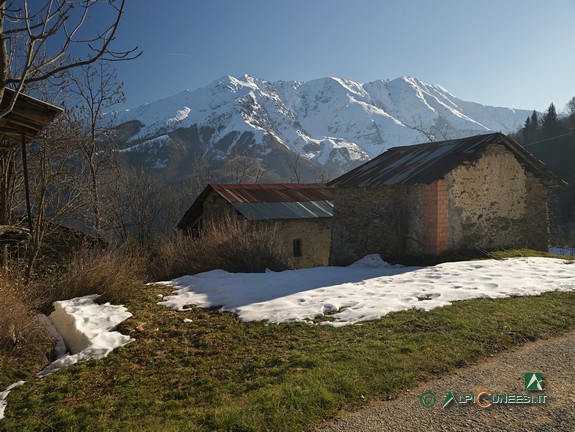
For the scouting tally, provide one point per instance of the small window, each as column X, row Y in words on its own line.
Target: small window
column 297, row 248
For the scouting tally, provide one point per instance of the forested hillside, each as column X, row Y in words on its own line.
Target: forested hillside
column 551, row 138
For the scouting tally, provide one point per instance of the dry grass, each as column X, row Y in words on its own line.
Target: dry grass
column 20, row 330
column 111, row 273
column 25, row 343
column 230, row 244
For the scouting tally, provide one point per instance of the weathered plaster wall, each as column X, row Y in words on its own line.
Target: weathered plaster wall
column 315, row 236
column 495, row 204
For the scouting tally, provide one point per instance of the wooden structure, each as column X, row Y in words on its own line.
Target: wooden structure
column 18, row 127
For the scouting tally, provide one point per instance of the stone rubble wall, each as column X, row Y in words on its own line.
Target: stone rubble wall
column 490, row 203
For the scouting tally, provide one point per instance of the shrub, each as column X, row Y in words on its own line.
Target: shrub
column 21, row 332
column 111, row 273
column 231, row 244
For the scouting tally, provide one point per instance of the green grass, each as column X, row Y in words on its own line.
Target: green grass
column 475, row 254
column 217, row 373
column 526, row 253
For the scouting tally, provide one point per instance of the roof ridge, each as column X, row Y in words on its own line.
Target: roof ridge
column 428, row 162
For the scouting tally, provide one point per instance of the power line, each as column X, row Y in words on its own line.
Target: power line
column 548, row 139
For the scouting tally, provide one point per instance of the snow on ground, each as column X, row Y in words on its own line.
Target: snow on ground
column 367, row 289
column 83, row 327
column 87, row 328
column 3, row 396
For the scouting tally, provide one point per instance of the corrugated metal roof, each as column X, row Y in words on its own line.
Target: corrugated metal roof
column 285, row 210
column 426, row 163
column 275, row 192
column 267, row 201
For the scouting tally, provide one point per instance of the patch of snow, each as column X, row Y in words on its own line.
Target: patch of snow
column 60, row 349
column 181, row 114
column 367, row 290
column 161, row 164
column 87, row 329
column 4, row 395
column 373, row 261
column 152, row 146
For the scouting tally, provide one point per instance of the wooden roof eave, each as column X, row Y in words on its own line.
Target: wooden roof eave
column 194, row 212
column 27, row 119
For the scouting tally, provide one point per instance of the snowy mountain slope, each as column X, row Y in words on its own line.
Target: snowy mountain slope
column 329, row 122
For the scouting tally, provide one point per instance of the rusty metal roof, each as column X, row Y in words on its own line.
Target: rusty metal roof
column 275, row 192
column 426, row 163
column 267, row 201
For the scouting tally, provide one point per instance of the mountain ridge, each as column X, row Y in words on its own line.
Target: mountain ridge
column 328, row 123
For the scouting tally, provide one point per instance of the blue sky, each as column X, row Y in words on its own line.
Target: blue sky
column 515, row 53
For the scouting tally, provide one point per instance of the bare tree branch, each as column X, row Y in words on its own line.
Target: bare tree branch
column 27, row 27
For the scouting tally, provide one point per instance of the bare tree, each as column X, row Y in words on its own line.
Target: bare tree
column 141, row 203
column 295, row 168
column 95, row 89
column 53, row 183
column 570, row 107
column 433, row 132
column 202, row 172
column 322, row 175
column 27, row 27
column 243, row 169
column 41, row 40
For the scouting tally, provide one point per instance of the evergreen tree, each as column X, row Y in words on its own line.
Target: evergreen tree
column 534, row 120
column 570, row 107
column 529, row 131
column 550, row 118
column 551, row 125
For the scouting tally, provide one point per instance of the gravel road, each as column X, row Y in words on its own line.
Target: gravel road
column 502, row 374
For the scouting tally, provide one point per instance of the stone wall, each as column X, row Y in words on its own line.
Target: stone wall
column 315, row 236
column 494, row 203
column 486, row 204
column 370, row 220
column 215, row 206
column 535, row 224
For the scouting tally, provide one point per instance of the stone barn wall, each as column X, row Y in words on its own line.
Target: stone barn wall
column 487, row 204
column 215, row 207
column 494, row 203
column 369, row 220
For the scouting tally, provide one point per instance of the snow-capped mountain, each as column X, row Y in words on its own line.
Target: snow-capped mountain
column 327, row 123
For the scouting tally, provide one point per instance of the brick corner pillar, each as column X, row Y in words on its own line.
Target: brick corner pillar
column 435, row 218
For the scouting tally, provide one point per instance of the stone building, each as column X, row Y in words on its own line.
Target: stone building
column 301, row 212
column 483, row 192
